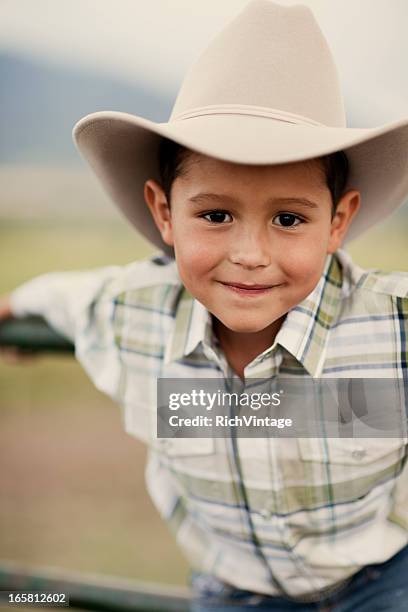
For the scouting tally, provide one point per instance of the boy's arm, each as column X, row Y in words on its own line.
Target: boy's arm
column 80, row 306
column 60, row 297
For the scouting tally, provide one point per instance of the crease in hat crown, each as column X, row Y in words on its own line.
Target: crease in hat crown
column 255, row 62
column 246, row 109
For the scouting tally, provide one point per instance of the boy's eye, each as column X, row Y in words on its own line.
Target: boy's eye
column 217, row 216
column 287, row 220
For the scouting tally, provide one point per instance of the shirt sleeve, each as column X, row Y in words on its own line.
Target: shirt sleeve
column 80, row 306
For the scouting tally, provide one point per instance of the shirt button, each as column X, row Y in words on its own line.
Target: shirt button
column 265, row 513
column 358, row 454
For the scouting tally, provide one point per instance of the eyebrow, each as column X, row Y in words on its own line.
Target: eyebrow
column 226, row 199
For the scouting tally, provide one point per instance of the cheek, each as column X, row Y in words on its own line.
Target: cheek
column 195, row 259
column 196, row 251
column 304, row 266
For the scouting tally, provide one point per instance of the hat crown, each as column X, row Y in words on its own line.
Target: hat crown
column 270, row 56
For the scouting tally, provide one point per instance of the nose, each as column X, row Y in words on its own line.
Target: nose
column 251, row 247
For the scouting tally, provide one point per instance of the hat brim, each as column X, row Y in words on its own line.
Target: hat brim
column 122, row 150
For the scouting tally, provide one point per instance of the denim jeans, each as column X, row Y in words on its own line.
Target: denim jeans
column 374, row 588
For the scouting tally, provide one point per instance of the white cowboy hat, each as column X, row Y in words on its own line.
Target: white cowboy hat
column 265, row 91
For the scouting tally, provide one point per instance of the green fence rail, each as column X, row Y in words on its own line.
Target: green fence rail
column 85, row 591
column 33, row 334
column 91, row 591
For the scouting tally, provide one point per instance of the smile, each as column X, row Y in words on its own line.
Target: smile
column 248, row 290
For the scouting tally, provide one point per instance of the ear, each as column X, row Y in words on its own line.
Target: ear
column 156, row 200
column 347, row 207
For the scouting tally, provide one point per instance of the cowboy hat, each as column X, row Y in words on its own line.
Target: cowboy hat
column 265, row 91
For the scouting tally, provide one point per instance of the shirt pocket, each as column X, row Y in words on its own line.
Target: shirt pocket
column 191, row 462
column 364, row 452
column 342, row 471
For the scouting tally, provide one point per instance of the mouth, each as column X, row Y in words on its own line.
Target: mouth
column 242, row 289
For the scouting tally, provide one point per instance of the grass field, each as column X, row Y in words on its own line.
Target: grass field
column 71, row 482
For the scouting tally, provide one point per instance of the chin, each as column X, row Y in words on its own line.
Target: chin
column 244, row 327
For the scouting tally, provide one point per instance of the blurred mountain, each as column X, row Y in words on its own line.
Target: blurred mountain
column 41, row 173
column 40, row 103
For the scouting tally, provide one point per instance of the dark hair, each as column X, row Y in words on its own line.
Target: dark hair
column 173, row 155
column 336, row 169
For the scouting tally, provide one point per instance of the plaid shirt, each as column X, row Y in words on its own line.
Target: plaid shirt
column 272, row 515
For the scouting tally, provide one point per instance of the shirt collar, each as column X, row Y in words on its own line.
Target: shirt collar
column 193, row 324
column 304, row 332
column 306, row 328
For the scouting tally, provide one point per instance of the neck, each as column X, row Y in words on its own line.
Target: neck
column 246, row 344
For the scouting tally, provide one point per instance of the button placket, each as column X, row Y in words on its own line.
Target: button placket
column 280, row 521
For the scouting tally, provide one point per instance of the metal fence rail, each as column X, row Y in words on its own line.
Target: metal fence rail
column 85, row 591
column 94, row 592
column 34, row 334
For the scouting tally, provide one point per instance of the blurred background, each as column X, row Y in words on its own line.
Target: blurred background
column 71, row 482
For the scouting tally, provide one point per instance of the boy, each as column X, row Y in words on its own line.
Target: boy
column 250, row 191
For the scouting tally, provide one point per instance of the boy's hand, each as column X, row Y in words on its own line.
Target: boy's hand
column 12, row 354
column 5, row 307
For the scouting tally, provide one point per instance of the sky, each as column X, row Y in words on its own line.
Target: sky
column 157, row 40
